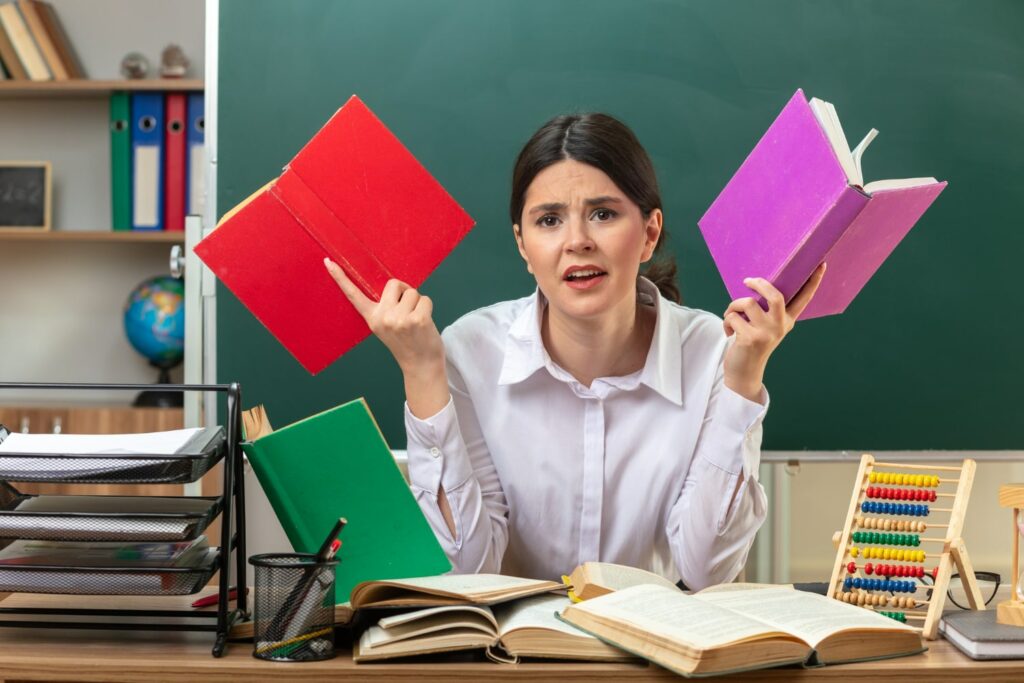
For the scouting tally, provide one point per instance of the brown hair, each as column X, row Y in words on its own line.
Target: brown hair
column 607, row 144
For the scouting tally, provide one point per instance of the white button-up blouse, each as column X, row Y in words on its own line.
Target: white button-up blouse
column 543, row 473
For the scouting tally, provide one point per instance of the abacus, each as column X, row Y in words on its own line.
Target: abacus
column 886, row 547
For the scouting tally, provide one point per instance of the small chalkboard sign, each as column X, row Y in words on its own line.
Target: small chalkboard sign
column 24, row 195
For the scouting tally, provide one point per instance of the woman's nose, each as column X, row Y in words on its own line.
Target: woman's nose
column 578, row 237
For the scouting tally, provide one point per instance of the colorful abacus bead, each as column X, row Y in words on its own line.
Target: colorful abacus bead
column 851, row 567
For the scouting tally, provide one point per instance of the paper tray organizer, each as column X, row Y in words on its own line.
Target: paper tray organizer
column 137, row 521
column 121, row 468
column 110, row 580
column 186, row 465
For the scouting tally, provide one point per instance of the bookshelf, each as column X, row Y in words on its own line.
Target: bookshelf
column 64, row 289
column 106, row 236
column 93, row 87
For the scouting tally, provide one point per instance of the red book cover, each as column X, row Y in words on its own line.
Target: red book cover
column 353, row 193
column 174, row 161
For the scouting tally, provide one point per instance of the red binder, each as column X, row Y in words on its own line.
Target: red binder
column 174, row 161
column 353, row 193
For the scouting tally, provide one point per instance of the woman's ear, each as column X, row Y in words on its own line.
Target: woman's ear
column 518, row 232
column 652, row 233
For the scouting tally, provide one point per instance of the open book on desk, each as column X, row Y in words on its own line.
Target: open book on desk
column 799, row 199
column 521, row 628
column 725, row 631
column 429, row 591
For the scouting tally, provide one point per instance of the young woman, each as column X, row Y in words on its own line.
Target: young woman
column 596, row 419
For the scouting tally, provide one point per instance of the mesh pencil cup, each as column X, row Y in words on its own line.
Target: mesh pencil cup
column 293, row 607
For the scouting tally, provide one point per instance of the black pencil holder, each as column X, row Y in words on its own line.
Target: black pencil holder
column 293, row 607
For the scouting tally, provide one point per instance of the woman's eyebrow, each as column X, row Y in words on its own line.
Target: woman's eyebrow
column 605, row 199
column 550, row 206
column 561, row 206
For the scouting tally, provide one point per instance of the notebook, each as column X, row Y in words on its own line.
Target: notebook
column 979, row 636
column 337, row 464
column 355, row 194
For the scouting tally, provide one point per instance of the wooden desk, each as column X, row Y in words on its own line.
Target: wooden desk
column 42, row 655
column 68, row 655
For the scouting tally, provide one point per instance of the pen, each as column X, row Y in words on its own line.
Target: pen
column 211, row 599
column 285, row 621
column 325, row 547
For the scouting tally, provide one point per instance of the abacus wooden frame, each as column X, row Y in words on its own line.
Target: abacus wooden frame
column 953, row 549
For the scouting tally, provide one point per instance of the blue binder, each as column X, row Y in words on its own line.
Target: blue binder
column 147, row 160
column 195, row 169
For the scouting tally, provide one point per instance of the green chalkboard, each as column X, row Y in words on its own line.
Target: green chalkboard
column 927, row 357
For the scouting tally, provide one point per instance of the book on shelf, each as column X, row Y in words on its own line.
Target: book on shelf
column 978, row 635
column 9, row 57
column 354, row 194
column 59, row 38
column 526, row 627
column 32, row 12
column 799, row 199
column 13, row 24
column 727, row 631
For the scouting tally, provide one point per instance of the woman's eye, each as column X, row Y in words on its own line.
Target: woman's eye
column 603, row 215
column 548, row 221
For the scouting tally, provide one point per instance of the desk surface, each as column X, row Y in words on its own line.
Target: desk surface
column 37, row 655
column 67, row 655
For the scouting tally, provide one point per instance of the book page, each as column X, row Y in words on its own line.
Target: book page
column 535, row 612
column 808, row 616
column 672, row 614
column 423, row 623
column 829, row 122
column 467, row 584
column 617, row 576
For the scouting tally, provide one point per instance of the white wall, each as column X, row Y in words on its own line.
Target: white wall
column 60, row 303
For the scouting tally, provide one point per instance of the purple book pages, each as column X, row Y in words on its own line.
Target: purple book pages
column 787, row 184
column 869, row 240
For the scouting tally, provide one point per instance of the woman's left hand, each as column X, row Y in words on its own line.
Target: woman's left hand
column 758, row 332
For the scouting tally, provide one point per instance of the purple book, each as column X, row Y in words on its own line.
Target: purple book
column 799, row 199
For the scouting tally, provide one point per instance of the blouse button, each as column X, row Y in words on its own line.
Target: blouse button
column 435, row 451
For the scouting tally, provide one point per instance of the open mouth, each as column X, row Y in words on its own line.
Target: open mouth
column 584, row 275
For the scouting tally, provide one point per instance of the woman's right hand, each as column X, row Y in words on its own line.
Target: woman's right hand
column 402, row 321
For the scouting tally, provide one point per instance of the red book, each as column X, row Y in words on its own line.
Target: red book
column 353, row 193
column 174, row 161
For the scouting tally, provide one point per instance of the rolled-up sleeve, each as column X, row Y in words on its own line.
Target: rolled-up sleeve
column 710, row 531
column 447, row 451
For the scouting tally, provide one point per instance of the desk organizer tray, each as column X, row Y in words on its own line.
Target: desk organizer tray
column 110, row 580
column 104, row 518
column 201, row 452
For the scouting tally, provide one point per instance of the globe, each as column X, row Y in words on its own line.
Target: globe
column 154, row 320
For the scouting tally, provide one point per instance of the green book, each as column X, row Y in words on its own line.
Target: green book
column 337, row 464
column 120, row 162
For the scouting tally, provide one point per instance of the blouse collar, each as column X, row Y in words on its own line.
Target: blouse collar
column 525, row 353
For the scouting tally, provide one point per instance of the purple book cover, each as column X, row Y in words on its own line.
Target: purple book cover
column 789, row 207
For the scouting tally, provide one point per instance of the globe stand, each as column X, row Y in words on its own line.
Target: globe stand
column 155, row 398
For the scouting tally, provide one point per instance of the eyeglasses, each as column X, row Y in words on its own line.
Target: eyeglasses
column 988, row 585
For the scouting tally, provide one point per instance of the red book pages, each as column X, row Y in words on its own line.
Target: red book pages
column 174, row 161
column 353, row 193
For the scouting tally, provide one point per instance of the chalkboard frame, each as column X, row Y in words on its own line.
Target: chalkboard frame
column 47, row 169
